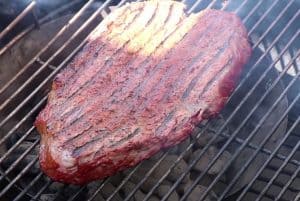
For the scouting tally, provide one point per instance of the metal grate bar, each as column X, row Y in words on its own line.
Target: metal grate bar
column 47, row 184
column 262, row 56
column 281, row 62
column 290, row 181
column 10, row 150
column 178, row 159
column 98, row 190
column 289, row 146
column 266, row 188
column 97, row 12
column 264, row 150
column 264, row 165
column 263, row 17
column 60, row 33
column 22, row 156
column 14, row 40
column 211, row 4
column 60, row 191
column 194, row 6
column 278, row 184
column 286, row 172
column 31, row 27
column 252, row 11
column 226, row 122
column 287, row 68
column 238, row 8
column 20, row 195
column 77, row 193
column 240, row 141
column 18, row 161
column 270, row 197
column 246, row 141
column 233, row 157
column 28, row 166
column 280, row 15
column 146, row 176
column 123, row 182
column 11, row 132
column 267, row 138
column 17, row 19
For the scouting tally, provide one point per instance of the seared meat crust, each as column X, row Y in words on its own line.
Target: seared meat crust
column 146, row 77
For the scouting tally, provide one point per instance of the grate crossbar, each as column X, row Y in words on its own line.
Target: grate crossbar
column 290, row 181
column 267, row 187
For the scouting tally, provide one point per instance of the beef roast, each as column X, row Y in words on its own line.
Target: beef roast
column 148, row 74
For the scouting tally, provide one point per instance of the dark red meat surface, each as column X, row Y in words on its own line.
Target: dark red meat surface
column 146, row 77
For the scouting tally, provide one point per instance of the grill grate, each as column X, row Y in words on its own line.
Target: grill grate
column 272, row 27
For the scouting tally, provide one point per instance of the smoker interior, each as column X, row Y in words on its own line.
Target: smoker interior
column 249, row 152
